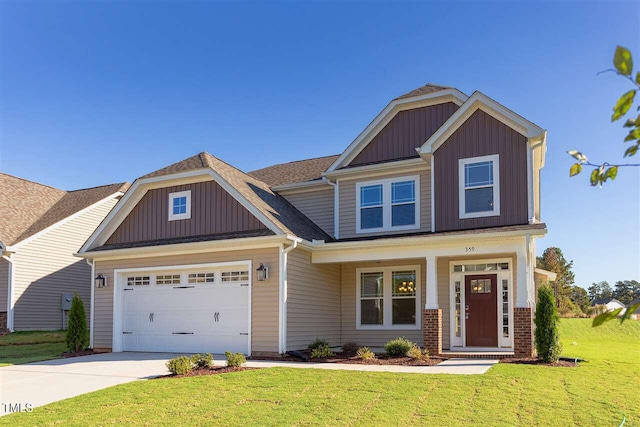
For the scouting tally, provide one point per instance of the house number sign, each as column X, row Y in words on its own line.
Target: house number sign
column 468, row 249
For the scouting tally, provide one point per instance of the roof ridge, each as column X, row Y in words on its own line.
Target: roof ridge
column 99, row 186
column 32, row 182
column 298, row 161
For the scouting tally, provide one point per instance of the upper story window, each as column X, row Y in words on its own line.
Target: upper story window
column 479, row 186
column 180, row 205
column 390, row 204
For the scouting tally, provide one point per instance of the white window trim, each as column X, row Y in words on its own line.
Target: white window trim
column 386, row 204
column 495, row 158
column 387, row 298
column 187, row 214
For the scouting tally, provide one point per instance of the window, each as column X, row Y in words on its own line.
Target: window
column 180, row 205
column 479, row 192
column 235, row 276
column 202, row 277
column 388, row 298
column 168, row 279
column 481, row 286
column 138, row 281
column 391, row 204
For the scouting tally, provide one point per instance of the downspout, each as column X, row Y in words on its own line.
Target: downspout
column 282, row 345
column 336, row 206
column 92, row 303
column 10, row 280
column 529, row 273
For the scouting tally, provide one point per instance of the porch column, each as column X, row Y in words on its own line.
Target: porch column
column 521, row 281
column 523, row 311
column 432, row 315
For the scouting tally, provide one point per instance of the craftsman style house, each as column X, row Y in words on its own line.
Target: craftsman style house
column 424, row 227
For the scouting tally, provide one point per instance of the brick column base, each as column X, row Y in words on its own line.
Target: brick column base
column 523, row 332
column 432, row 330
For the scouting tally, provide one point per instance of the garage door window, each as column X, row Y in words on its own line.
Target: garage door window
column 168, row 279
column 235, row 276
column 138, row 280
column 202, row 277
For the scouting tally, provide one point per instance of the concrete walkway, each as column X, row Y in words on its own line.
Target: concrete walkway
column 40, row 383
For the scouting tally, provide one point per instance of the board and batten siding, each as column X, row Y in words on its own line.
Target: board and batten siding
column 45, row 268
column 213, row 211
column 317, row 205
column 264, row 295
column 375, row 338
column 313, row 301
column 408, row 130
column 481, row 135
column 348, row 209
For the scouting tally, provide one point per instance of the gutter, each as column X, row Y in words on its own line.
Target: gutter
column 10, row 282
column 92, row 302
column 282, row 345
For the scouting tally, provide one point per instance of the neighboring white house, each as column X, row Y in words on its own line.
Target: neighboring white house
column 610, row 304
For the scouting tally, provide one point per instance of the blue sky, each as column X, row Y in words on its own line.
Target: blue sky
column 95, row 93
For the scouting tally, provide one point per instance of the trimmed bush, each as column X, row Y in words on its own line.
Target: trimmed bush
column 322, row 352
column 318, row 343
column 364, row 353
column 398, row 347
column 235, row 360
column 546, row 335
column 350, row 347
column 417, row 354
column 180, row 365
column 77, row 331
column 202, row 360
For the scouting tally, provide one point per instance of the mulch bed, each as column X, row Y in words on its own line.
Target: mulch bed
column 539, row 362
column 348, row 359
column 78, row 353
column 214, row 370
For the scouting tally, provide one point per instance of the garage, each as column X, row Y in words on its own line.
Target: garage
column 200, row 309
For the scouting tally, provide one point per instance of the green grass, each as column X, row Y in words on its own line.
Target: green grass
column 597, row 393
column 32, row 346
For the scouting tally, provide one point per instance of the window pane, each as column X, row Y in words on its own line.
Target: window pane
column 179, row 205
column 478, row 200
column 404, row 311
column 404, row 283
column 371, row 218
column 402, row 192
column 371, row 195
column 478, row 174
column 403, row 214
column 371, row 285
column 371, row 312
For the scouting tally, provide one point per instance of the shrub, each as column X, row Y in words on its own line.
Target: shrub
column 77, row 332
column 365, row 354
column 321, row 352
column 318, row 343
column 546, row 334
column 416, row 353
column 202, row 360
column 180, row 365
column 235, row 360
column 350, row 347
column 398, row 347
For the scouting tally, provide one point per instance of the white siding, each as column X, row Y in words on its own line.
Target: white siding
column 316, row 205
column 45, row 268
column 313, row 303
column 4, row 281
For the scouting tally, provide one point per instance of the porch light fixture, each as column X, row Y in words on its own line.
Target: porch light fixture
column 100, row 281
column 262, row 273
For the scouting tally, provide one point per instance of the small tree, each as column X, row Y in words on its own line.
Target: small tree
column 546, row 335
column 77, row 332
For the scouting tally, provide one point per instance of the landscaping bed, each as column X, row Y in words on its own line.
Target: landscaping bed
column 539, row 362
column 352, row 359
column 214, row 370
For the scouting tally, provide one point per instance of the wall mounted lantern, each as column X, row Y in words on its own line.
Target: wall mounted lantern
column 262, row 273
column 100, row 281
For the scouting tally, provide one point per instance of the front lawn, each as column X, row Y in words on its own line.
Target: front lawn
column 597, row 393
column 32, row 346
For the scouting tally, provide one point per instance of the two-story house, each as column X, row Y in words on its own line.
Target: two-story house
column 424, row 227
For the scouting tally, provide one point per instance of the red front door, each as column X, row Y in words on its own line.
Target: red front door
column 481, row 303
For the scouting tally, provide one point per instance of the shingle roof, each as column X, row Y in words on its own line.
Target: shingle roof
column 293, row 172
column 423, row 90
column 27, row 207
column 603, row 301
column 272, row 205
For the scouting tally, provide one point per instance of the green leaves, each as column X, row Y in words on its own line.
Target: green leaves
column 610, row 315
column 594, row 178
column 623, row 105
column 622, row 61
column 612, row 172
column 631, row 151
column 575, row 169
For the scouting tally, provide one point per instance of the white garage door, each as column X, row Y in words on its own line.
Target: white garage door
column 189, row 311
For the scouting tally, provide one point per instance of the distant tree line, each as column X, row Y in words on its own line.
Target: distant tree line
column 625, row 291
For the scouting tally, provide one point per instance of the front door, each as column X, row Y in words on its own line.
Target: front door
column 481, row 310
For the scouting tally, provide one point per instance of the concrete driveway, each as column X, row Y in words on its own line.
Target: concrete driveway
column 40, row 383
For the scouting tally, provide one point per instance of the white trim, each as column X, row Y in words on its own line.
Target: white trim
column 177, row 195
column 388, row 113
column 387, row 204
column 433, row 195
column 52, row 227
column 118, row 293
column 283, row 301
column 431, row 285
column 387, row 295
column 378, row 169
column 530, row 203
column 495, row 158
column 92, row 300
column 551, row 276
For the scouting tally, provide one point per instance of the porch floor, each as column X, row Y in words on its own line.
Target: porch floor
column 477, row 354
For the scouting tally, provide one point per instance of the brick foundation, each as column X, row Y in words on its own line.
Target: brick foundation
column 432, row 331
column 523, row 332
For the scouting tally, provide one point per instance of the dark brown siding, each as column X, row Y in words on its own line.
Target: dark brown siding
column 406, row 131
column 213, row 210
column 481, row 135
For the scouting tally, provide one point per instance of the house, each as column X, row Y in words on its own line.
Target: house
column 608, row 304
column 424, row 227
column 41, row 229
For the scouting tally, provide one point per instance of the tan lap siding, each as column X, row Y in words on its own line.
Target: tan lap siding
column 4, row 281
column 347, row 203
column 313, row 301
column 264, row 295
column 45, row 268
column 317, row 205
column 380, row 337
